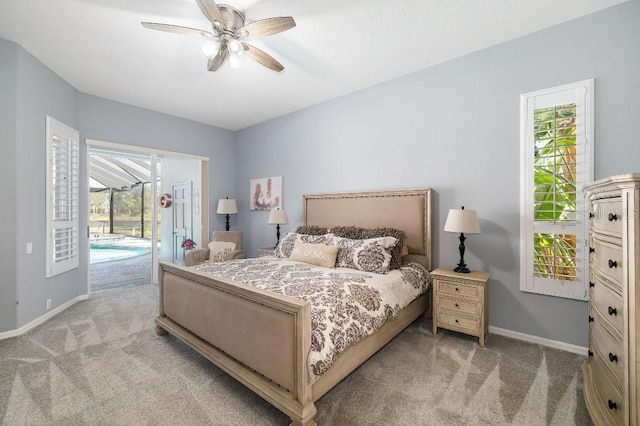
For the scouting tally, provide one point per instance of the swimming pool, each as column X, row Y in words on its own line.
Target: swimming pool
column 108, row 253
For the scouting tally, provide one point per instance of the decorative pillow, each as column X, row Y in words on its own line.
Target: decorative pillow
column 315, row 254
column 218, row 250
column 369, row 255
column 311, row 230
column 285, row 246
column 355, row 232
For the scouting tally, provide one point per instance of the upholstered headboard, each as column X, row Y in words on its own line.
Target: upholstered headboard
column 409, row 210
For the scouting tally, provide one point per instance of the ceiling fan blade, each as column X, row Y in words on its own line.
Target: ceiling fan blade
column 262, row 57
column 267, row 27
column 177, row 29
column 210, row 10
column 218, row 60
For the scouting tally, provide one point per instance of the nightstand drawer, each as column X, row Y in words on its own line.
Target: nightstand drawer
column 455, row 322
column 455, row 305
column 266, row 251
column 457, row 289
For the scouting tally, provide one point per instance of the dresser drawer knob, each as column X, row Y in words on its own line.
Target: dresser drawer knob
column 612, row 357
column 590, row 353
column 591, row 249
column 457, row 289
column 591, row 215
column 592, row 284
column 457, row 321
column 457, row 305
column 612, row 311
column 612, row 217
column 612, row 405
column 590, row 318
column 613, row 263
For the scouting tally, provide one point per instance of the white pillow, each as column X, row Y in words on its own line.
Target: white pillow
column 315, row 254
column 218, row 250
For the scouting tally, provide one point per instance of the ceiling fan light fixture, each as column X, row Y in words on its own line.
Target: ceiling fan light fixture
column 235, row 48
column 229, row 29
column 210, row 49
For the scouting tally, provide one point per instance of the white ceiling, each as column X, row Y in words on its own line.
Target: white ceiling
column 337, row 47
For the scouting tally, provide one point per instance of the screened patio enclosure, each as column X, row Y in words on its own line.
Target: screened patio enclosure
column 120, row 194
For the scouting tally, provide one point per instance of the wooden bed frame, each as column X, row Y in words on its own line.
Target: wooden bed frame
column 263, row 339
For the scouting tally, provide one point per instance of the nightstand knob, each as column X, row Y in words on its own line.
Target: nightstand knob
column 457, row 321
column 590, row 318
column 613, row 311
column 457, row 306
column 591, row 249
column 612, row 217
column 591, row 215
column 612, row 405
column 613, row 264
column 457, row 289
column 612, row 357
column 592, row 284
column 590, row 354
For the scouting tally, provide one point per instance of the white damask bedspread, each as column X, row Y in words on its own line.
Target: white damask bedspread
column 346, row 305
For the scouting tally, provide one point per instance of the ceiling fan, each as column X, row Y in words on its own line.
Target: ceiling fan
column 229, row 30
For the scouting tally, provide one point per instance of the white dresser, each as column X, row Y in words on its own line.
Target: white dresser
column 610, row 374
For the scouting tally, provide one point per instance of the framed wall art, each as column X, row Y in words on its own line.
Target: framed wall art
column 265, row 193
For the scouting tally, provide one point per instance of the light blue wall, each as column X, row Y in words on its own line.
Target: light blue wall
column 111, row 121
column 8, row 296
column 30, row 92
column 40, row 92
column 455, row 127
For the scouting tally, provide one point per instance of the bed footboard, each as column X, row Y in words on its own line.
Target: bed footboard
column 267, row 351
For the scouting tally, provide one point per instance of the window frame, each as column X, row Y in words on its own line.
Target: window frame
column 55, row 128
column 582, row 94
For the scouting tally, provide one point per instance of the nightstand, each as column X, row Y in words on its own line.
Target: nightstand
column 460, row 302
column 266, row 251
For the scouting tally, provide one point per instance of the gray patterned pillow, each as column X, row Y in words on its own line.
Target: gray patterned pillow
column 355, row 232
column 285, row 246
column 311, row 230
column 369, row 255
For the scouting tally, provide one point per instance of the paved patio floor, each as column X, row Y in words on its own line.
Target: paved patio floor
column 121, row 274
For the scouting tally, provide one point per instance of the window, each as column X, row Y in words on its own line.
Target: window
column 62, row 198
column 556, row 145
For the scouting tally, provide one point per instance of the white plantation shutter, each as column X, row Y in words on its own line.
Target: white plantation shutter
column 556, row 142
column 62, row 198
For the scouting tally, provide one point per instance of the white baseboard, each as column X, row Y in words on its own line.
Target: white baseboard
column 36, row 322
column 580, row 350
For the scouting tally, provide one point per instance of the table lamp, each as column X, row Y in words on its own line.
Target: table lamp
column 227, row 206
column 464, row 222
column 278, row 217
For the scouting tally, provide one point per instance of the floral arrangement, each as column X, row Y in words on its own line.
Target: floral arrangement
column 188, row 244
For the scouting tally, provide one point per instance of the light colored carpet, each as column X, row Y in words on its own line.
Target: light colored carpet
column 100, row 363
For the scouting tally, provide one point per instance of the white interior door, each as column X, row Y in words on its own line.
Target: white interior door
column 182, row 217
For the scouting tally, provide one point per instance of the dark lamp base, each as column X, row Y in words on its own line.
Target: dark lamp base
column 462, row 270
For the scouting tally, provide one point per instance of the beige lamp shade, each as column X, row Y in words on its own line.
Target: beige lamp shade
column 278, row 217
column 227, row 206
column 462, row 221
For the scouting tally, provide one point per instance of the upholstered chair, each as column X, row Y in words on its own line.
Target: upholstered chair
column 194, row 257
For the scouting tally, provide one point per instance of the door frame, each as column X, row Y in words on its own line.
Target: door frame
column 155, row 155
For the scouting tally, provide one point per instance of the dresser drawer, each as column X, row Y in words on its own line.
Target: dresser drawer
column 608, row 303
column 607, row 216
column 608, row 349
column 607, row 394
column 607, row 259
column 457, row 305
column 457, row 289
column 458, row 322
